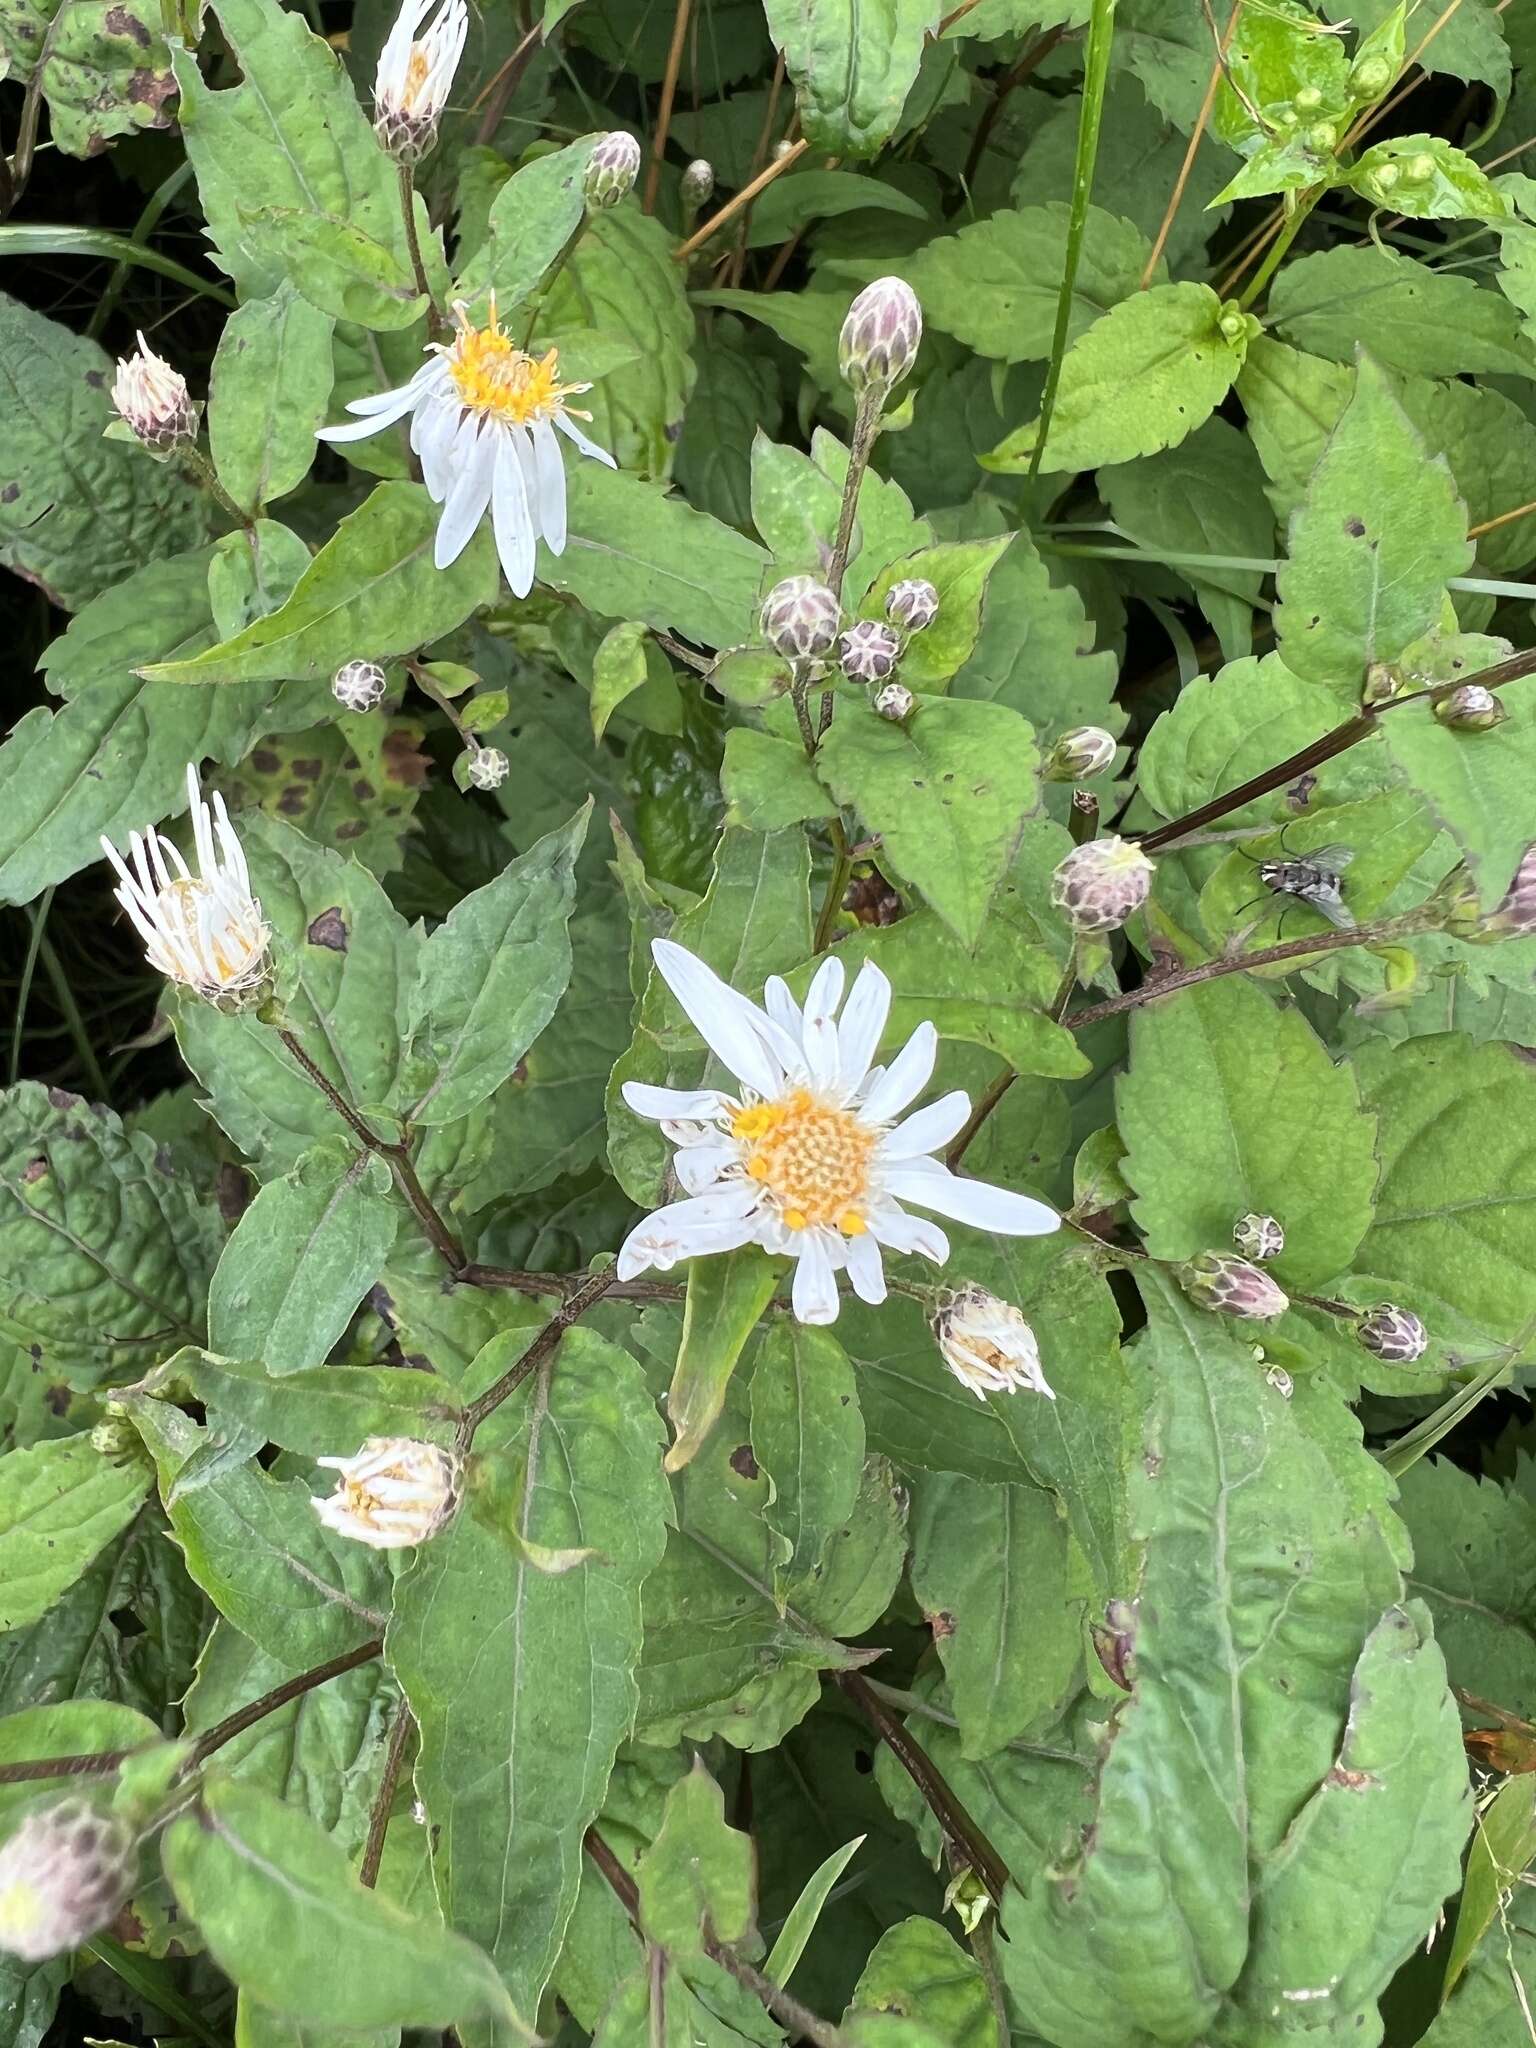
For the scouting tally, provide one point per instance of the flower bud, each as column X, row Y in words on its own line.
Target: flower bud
column 612, row 169
column 1310, row 96
column 800, row 617
column 1394, row 1335
column 912, row 604
column 868, row 651
column 987, row 1344
column 1516, row 915
column 358, row 685
column 1102, row 883
column 1231, row 1287
column 488, row 768
column 415, row 76
column 1370, row 77
column 967, row 1897
column 1258, row 1237
column 1114, row 1639
column 878, row 344
column 1278, row 1378
column 153, row 399
column 393, row 1494
column 64, row 1876
column 1080, row 752
column 698, row 185
column 1470, row 708
column 894, row 702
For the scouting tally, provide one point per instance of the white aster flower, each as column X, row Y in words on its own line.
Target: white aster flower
column 484, row 416
column 392, row 1494
column 205, row 931
column 416, row 67
column 805, row 1157
column 988, row 1346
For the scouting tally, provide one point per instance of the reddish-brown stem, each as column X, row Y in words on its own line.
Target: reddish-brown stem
column 592, row 1289
column 664, row 110
column 384, row 1798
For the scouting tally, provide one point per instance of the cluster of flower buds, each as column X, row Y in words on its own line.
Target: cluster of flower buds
column 415, row 75
column 1079, row 754
column 488, row 768
column 1258, row 1237
column 392, row 1494
column 154, row 401
column 1394, row 1335
column 1101, row 883
column 1232, row 1287
column 65, row 1874
column 879, row 340
column 987, row 1344
column 698, row 185
column 800, row 618
column 611, row 170
column 1470, row 707
column 358, row 685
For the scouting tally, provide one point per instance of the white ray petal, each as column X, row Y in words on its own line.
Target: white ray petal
column 814, row 1295
column 819, row 1033
column 729, row 1025
column 569, row 427
column 889, row 1222
column 862, row 1022
column 866, row 1270
column 687, row 1230
column 669, row 1105
column 512, row 518
column 904, row 1079
column 927, row 1128
column 468, row 496
column 976, row 1202
column 549, row 468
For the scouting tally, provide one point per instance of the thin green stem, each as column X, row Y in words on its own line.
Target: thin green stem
column 1415, row 1442
column 866, row 426
column 1279, row 248
column 64, row 995
column 204, row 473
column 837, row 884
column 407, row 177
column 38, row 918
column 541, row 297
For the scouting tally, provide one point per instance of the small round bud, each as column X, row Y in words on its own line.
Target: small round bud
column 1394, row 1335
column 1470, row 708
column 358, row 685
column 987, row 1344
column 912, row 604
column 64, row 1876
column 392, row 1494
column 488, row 768
column 1079, row 754
column 800, row 618
column 1309, row 97
column 868, row 651
column 894, row 702
column 1419, row 169
column 878, row 344
column 698, row 184
column 1258, row 1237
column 612, row 169
column 1102, row 883
column 1370, row 77
column 153, row 399
column 1516, row 915
column 1232, row 1287
column 115, row 1438
column 1114, row 1640
column 1322, row 137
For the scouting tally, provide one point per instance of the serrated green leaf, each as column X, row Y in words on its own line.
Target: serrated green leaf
column 797, row 501
column 1426, row 178
column 270, row 388
column 853, row 62
column 768, row 783
column 252, row 572
column 696, row 1879
column 534, row 213
column 918, row 1972
column 960, row 572
column 808, row 1437
column 1036, row 649
column 105, row 68
column 1438, row 323
column 1474, row 1567
column 339, row 268
column 63, row 1503
column 1479, row 794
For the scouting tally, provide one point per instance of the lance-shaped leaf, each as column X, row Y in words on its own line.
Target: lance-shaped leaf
column 726, row 1295
column 324, row 1412
column 696, row 1881
column 532, row 217
column 62, row 1503
column 853, row 63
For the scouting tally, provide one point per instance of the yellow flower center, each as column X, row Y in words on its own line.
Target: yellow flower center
column 227, row 951
column 493, row 375
column 813, row 1160
column 417, row 67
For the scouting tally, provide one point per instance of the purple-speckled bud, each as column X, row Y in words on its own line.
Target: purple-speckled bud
column 912, row 604
column 878, row 344
column 1394, row 1335
column 800, row 618
column 1102, row 883
column 868, row 651
column 612, row 169
column 1232, row 1287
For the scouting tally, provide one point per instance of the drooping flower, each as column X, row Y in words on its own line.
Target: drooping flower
column 484, row 420
column 64, row 1874
column 392, row 1494
column 154, row 400
column 987, row 1344
column 805, row 1157
column 204, row 931
column 415, row 74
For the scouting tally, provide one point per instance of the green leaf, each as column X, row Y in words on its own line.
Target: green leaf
column 1035, row 652
column 696, row 1879
column 66, row 1728
column 618, row 670
column 808, row 1438
column 1436, row 322
column 790, row 204
column 63, row 1503
column 726, row 1296
column 808, row 321
column 518, row 1740
column 1380, row 533
column 799, row 1922
column 1232, row 1104
column 1474, row 1567
column 1503, row 1843
column 947, row 791
column 1480, row 794
column 253, row 571
column 301, row 1258
column 283, row 1914
column 1271, row 57
column 323, row 1411
column 919, row 1972
column 338, row 268
column 78, row 512
column 105, row 68
column 532, row 217
column 269, row 390
column 959, row 571
column 1425, row 178
column 853, row 62
column 768, row 783
column 352, row 785
column 995, row 284
column 1139, row 379
column 797, row 501
column 105, row 1242
column 371, row 593
column 990, row 1571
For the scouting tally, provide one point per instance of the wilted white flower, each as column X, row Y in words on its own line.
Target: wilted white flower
column 416, row 67
column 484, row 416
column 394, row 1493
column 64, row 1875
column 878, row 343
column 611, row 169
column 205, row 931
column 358, row 685
column 488, row 768
column 987, row 1344
column 153, row 399
column 805, row 1157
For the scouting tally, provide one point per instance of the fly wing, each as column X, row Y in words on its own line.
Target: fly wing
column 1324, row 896
column 1335, row 859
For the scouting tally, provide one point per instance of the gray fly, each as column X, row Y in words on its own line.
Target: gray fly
column 1314, row 880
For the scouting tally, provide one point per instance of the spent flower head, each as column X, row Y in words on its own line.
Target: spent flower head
column 805, row 1156
column 1394, row 1335
column 153, row 399
column 1232, row 1287
column 912, row 604
column 358, row 685
column 800, row 618
column 987, row 1344
column 392, row 1494
column 1102, row 883
column 868, row 651
column 611, row 169
column 415, row 75
column 64, row 1875
column 879, row 339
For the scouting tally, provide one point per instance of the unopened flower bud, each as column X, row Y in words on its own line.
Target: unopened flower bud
column 912, row 604
column 1394, row 1335
column 415, row 75
column 967, row 1897
column 1102, row 883
column 868, row 651
column 1114, row 1639
column 987, row 1344
column 64, row 1876
column 612, row 169
column 153, row 399
column 1278, row 1378
column 1232, row 1287
column 1515, row 918
column 393, row 1494
column 1081, row 752
column 1258, row 1237
column 1370, row 77
column 358, row 685
column 800, row 618
column 878, row 344
column 894, row 701
column 1310, row 96
column 488, row 768
column 698, row 184
column 1470, row 708
column 115, row 1438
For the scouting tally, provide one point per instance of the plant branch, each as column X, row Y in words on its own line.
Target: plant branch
column 384, row 1798
column 664, row 110
column 520, row 1281
column 204, row 474
column 1176, row 197
column 592, row 1289
column 407, row 178
column 744, row 197
column 837, row 886
column 503, row 85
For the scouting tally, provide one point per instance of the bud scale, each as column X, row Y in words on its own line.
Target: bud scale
column 1258, row 1237
column 912, row 604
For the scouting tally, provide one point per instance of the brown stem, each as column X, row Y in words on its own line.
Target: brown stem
column 407, row 178
column 504, row 84
column 1029, row 63
column 384, row 1798
column 1170, row 212
column 743, row 198
column 866, row 425
column 664, row 110
column 592, row 1289
column 518, row 1281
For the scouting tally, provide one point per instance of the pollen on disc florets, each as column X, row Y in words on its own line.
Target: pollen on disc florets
column 811, row 1158
column 492, row 375
column 1102, row 883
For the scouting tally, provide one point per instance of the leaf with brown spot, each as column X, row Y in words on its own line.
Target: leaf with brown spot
column 106, row 71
